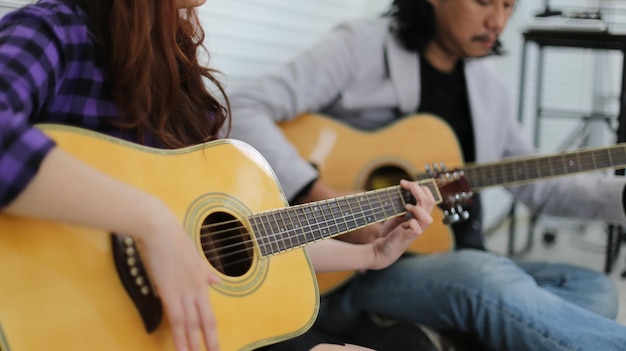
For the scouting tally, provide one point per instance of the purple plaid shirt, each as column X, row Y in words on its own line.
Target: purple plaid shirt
column 49, row 72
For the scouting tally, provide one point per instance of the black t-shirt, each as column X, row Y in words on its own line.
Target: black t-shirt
column 445, row 95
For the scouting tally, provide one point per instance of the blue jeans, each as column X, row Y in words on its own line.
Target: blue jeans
column 506, row 305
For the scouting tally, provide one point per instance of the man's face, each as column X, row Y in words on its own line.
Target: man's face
column 469, row 28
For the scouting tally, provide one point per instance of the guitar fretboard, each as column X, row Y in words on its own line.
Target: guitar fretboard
column 284, row 229
column 528, row 169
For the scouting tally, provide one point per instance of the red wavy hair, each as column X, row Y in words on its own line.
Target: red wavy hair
column 152, row 52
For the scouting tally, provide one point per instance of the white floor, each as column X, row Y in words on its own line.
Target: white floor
column 577, row 242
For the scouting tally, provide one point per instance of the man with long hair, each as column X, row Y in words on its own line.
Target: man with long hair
column 424, row 56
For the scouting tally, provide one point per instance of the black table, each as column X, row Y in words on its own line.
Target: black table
column 583, row 40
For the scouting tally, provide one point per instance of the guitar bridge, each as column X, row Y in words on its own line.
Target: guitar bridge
column 134, row 278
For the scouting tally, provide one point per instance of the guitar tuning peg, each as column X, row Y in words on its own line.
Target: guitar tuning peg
column 429, row 171
column 455, row 215
column 450, row 216
column 443, row 167
column 463, row 213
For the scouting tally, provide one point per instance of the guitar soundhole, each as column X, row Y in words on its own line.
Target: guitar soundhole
column 385, row 176
column 227, row 244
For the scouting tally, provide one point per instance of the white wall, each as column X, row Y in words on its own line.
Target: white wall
column 248, row 38
column 577, row 80
column 8, row 5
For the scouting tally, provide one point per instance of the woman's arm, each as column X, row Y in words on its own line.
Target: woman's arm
column 69, row 191
column 395, row 237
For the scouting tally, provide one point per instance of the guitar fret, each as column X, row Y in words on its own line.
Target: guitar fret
column 304, row 225
column 398, row 203
column 341, row 224
column 572, row 165
column 578, row 165
column 618, row 156
column 538, row 169
column 278, row 235
column 361, row 221
column 586, row 161
column 285, row 230
column 301, row 226
column 544, row 166
column 498, row 175
column 481, row 174
column 294, row 227
column 341, row 213
column 531, row 172
column 272, row 244
column 494, row 175
column 372, row 215
column 384, row 204
column 327, row 215
column 520, row 171
column 557, row 166
column 333, row 215
column 321, row 221
column 601, row 158
column 260, row 235
column 314, row 226
column 510, row 172
column 348, row 215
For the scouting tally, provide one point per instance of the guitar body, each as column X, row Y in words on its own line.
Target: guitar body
column 350, row 159
column 60, row 289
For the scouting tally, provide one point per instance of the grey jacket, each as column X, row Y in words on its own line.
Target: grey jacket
column 361, row 75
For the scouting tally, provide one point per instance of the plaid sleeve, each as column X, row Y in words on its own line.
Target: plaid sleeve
column 29, row 65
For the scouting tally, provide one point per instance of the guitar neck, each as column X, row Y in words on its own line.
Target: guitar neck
column 525, row 170
column 288, row 228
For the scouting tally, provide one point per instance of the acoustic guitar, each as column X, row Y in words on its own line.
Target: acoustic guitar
column 72, row 288
column 351, row 159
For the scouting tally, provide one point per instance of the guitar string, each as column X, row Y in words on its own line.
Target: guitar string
column 279, row 234
column 247, row 249
column 372, row 209
column 565, row 161
column 441, row 182
column 507, row 168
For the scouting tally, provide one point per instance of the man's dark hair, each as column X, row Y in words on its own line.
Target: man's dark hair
column 414, row 24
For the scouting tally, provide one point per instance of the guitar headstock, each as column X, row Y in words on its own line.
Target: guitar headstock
column 455, row 192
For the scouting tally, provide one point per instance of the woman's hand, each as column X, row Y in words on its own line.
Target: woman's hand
column 182, row 278
column 398, row 233
column 392, row 240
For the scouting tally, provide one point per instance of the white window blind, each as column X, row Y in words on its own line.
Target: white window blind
column 248, row 38
column 8, row 5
